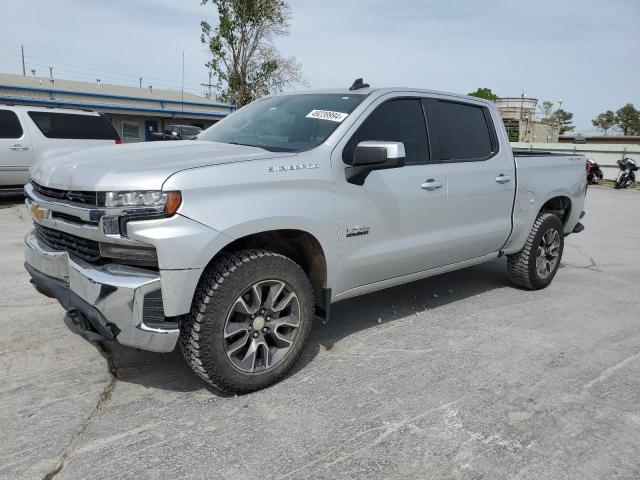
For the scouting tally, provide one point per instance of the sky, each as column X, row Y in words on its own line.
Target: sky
column 585, row 53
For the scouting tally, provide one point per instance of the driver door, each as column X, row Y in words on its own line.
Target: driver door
column 394, row 224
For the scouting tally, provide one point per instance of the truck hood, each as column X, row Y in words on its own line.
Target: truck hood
column 137, row 166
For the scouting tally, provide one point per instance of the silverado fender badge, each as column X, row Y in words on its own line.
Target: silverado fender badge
column 286, row 168
column 357, row 231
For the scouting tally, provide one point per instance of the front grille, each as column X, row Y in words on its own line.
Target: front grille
column 86, row 198
column 71, row 219
column 88, row 250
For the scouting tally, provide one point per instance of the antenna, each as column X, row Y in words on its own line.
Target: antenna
column 24, row 72
column 182, row 95
column 358, row 84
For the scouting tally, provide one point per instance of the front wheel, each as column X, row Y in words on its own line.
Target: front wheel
column 249, row 322
column 537, row 263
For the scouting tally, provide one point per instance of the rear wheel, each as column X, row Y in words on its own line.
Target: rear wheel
column 537, row 263
column 249, row 322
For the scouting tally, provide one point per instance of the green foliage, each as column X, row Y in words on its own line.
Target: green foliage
column 604, row 121
column 244, row 59
column 547, row 106
column 628, row 120
column 485, row 93
column 564, row 119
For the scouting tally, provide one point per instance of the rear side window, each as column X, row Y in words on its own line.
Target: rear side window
column 70, row 125
column 463, row 131
column 9, row 125
column 399, row 120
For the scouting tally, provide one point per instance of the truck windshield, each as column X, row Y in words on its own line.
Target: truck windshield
column 288, row 123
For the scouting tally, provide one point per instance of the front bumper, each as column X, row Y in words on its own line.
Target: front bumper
column 105, row 302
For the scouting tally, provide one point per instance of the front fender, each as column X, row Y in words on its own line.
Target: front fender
column 246, row 198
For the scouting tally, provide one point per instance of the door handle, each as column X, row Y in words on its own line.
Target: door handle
column 431, row 184
column 17, row 146
column 502, row 178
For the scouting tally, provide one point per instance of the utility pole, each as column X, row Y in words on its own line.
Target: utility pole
column 24, row 70
column 208, row 85
column 182, row 96
column 521, row 137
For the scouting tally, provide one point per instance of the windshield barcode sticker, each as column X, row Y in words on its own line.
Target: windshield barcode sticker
column 327, row 115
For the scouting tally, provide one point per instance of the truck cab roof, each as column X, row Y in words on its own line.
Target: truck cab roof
column 384, row 90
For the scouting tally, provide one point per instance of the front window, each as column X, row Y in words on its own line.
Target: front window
column 289, row 123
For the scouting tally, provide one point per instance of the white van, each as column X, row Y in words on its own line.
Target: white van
column 28, row 134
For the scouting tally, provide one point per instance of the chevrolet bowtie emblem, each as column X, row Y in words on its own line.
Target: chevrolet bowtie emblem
column 38, row 212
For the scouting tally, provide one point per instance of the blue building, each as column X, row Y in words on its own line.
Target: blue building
column 136, row 113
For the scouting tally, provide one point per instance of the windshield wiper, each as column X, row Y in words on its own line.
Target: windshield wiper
column 268, row 148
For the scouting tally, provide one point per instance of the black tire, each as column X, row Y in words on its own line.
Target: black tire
column 222, row 283
column 522, row 265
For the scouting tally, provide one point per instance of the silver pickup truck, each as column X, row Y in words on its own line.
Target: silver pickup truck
column 231, row 244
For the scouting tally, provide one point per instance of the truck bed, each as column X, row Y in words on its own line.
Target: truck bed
column 540, row 176
column 525, row 152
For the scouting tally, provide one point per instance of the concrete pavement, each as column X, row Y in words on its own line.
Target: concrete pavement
column 460, row 376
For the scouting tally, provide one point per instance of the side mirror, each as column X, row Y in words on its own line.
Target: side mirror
column 374, row 155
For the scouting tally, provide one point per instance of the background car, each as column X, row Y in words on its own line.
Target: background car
column 28, row 134
column 178, row 132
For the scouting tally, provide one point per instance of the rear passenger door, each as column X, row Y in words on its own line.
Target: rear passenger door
column 16, row 154
column 480, row 177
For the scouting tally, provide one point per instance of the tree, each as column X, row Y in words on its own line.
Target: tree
column 547, row 106
column 605, row 121
column 628, row 119
column 564, row 119
column 244, row 59
column 485, row 93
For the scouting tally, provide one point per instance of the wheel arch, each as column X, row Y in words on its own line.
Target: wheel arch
column 559, row 205
column 298, row 245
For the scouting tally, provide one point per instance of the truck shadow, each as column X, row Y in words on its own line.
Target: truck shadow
column 349, row 317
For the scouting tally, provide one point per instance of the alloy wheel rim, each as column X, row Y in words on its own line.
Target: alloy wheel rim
column 261, row 326
column 548, row 253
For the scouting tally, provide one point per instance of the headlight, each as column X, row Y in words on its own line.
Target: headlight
column 163, row 201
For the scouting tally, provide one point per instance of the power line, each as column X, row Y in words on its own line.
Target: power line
column 209, row 85
column 83, row 70
column 70, row 74
column 128, row 75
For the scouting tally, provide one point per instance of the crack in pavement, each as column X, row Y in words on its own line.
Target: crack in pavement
column 105, row 396
column 387, row 430
column 587, row 267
